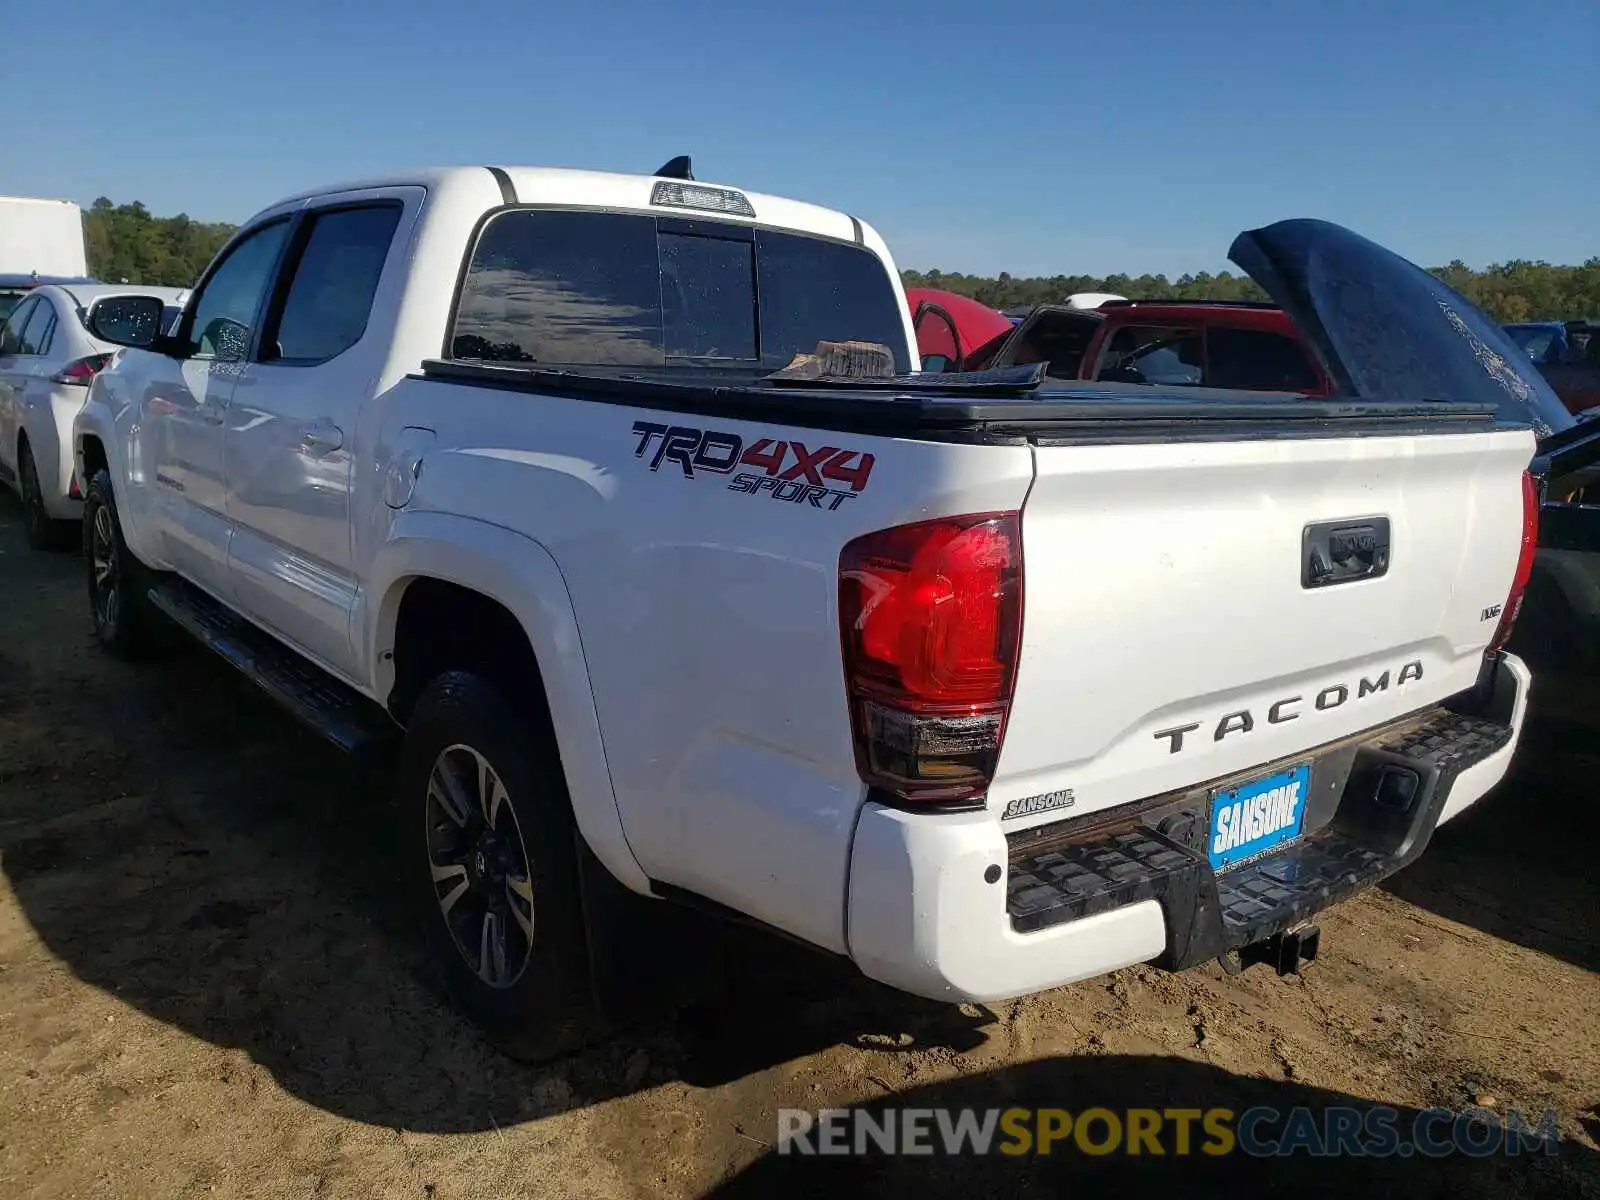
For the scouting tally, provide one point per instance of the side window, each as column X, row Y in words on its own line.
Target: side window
column 562, row 287
column 330, row 296
column 11, row 335
column 224, row 313
column 1257, row 360
column 1060, row 339
column 40, row 329
column 1160, row 354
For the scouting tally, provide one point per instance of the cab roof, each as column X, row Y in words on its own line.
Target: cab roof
column 601, row 189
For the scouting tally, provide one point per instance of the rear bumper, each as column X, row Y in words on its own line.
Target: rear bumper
column 947, row 907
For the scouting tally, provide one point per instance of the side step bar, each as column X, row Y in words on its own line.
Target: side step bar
column 340, row 714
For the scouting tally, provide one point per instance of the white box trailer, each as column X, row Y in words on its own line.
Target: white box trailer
column 44, row 236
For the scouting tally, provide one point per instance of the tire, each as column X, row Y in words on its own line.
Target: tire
column 44, row 531
column 126, row 625
column 499, row 899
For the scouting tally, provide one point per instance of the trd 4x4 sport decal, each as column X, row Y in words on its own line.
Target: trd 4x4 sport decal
column 788, row 471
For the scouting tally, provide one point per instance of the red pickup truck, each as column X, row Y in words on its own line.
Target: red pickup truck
column 1212, row 343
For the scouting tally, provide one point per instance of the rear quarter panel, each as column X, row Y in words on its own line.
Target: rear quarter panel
column 707, row 615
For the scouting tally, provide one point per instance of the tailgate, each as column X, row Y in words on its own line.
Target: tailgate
column 1172, row 633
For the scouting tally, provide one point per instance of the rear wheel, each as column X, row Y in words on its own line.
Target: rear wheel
column 488, row 843
column 44, row 531
column 125, row 623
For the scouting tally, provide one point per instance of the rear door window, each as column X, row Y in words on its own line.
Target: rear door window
column 334, row 280
column 1257, row 360
column 40, row 330
column 634, row 290
column 11, row 335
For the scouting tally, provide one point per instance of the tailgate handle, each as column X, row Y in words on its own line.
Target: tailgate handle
column 1343, row 551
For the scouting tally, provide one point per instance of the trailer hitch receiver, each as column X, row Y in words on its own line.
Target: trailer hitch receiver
column 1284, row 952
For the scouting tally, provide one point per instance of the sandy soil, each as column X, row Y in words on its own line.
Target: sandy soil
column 204, row 992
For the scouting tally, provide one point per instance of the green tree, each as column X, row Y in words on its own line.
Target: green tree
column 124, row 242
column 127, row 242
column 1518, row 290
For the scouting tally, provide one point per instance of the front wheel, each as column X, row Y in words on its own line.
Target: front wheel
column 126, row 624
column 488, row 844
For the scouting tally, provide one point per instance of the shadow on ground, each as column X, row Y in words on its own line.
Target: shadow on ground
column 178, row 842
column 1121, row 1083
column 1520, row 865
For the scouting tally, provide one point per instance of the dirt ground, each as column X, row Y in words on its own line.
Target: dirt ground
column 204, row 992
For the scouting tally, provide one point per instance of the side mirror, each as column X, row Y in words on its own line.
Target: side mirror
column 226, row 338
column 135, row 321
column 935, row 364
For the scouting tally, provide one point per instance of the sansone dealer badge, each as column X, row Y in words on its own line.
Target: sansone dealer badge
column 1029, row 806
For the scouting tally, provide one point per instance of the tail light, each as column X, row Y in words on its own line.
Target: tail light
column 81, row 370
column 931, row 619
column 1519, row 581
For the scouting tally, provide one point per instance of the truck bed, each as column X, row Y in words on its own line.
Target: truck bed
column 1014, row 404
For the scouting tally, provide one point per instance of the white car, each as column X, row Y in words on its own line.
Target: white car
column 47, row 359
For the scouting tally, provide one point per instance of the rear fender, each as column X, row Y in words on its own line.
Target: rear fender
column 521, row 575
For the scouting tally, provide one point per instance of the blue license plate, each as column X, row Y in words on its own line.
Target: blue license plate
column 1258, row 816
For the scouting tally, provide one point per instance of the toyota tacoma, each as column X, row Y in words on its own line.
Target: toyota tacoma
column 613, row 508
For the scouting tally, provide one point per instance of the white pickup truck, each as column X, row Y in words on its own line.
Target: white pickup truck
column 987, row 683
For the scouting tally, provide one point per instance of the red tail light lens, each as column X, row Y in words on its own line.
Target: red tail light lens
column 1519, row 581
column 81, row 370
column 931, row 619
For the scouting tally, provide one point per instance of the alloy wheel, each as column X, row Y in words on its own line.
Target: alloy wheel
column 479, row 862
column 104, row 577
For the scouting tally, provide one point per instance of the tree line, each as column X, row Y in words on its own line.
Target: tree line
column 1519, row 290
column 127, row 242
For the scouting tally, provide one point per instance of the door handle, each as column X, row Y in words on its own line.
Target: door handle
column 321, row 437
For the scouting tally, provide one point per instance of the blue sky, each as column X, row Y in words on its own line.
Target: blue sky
column 1030, row 137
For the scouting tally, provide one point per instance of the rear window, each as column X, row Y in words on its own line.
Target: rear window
column 1256, row 360
column 635, row 290
column 9, row 299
